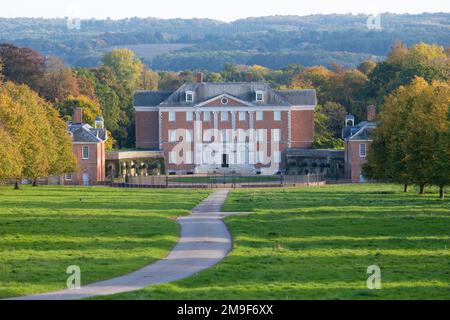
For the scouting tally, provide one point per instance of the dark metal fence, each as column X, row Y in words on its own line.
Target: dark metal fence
column 218, row 181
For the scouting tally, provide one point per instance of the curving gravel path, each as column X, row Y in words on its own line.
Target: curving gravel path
column 204, row 241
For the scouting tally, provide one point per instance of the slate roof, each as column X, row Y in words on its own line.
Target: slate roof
column 85, row 133
column 242, row 90
column 362, row 131
column 149, row 98
column 299, row 97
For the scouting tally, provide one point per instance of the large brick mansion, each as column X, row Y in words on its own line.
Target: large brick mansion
column 243, row 127
column 235, row 127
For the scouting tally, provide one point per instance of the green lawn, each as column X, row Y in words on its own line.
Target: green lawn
column 106, row 232
column 316, row 243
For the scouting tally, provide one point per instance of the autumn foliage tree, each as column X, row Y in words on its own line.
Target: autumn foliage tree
column 58, row 82
column 411, row 144
column 12, row 161
column 34, row 134
column 91, row 109
column 22, row 65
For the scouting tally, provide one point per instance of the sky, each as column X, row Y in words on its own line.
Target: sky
column 225, row 10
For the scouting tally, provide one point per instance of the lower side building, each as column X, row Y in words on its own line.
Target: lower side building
column 88, row 145
column 358, row 139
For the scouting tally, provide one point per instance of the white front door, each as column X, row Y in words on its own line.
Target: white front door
column 85, row 179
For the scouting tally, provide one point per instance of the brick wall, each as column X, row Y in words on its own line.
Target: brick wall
column 147, row 135
column 302, row 127
column 94, row 166
column 147, row 129
column 353, row 160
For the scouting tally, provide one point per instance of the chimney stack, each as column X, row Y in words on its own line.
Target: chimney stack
column 371, row 113
column 199, row 77
column 78, row 116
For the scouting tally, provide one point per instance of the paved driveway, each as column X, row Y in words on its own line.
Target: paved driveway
column 204, row 241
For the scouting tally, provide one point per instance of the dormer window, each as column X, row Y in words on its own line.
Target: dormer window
column 259, row 96
column 189, row 96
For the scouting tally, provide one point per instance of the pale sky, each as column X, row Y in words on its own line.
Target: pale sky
column 225, row 10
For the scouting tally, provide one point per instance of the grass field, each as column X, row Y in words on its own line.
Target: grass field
column 316, row 243
column 149, row 51
column 106, row 232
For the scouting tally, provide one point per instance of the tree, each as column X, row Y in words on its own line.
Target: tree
column 109, row 104
column 91, row 109
column 64, row 160
column 12, row 161
column 379, row 166
column 127, row 71
column 335, row 117
column 22, row 116
column 426, row 144
column 403, row 64
column 22, row 65
column 213, row 77
column 441, row 155
column 1, row 70
column 149, row 79
column 345, row 88
column 411, row 144
column 58, row 82
column 170, row 81
column 387, row 155
column 324, row 137
column 397, row 54
column 37, row 133
column 367, row 67
column 99, row 85
column 313, row 77
column 423, row 53
column 126, row 66
column 86, row 87
column 110, row 142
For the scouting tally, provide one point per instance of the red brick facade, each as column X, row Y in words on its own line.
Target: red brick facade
column 88, row 146
column 354, row 161
column 147, row 130
column 302, row 127
column 230, row 116
column 357, row 144
column 91, row 170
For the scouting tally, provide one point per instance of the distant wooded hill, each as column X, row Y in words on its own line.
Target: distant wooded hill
column 273, row 42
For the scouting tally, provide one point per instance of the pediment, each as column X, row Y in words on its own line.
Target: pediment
column 224, row 100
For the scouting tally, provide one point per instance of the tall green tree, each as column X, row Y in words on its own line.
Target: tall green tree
column 324, row 137
column 126, row 66
column 127, row 70
column 335, row 117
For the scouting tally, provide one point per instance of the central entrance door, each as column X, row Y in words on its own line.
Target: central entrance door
column 225, row 161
